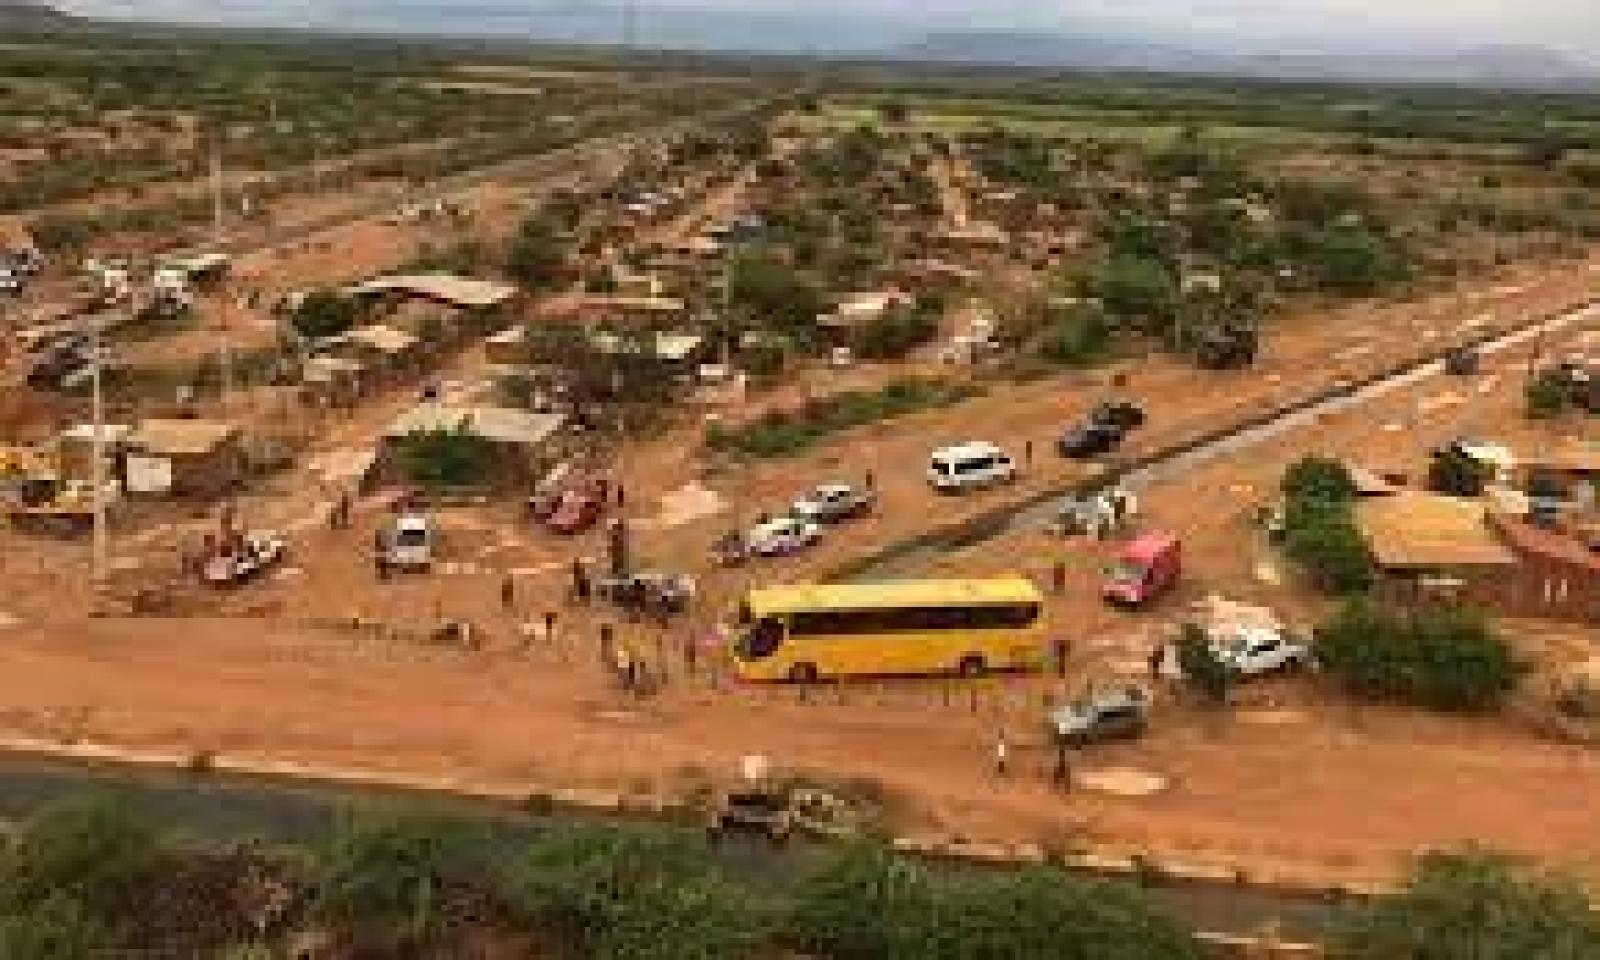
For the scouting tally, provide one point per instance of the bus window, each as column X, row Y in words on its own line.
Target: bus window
column 762, row 640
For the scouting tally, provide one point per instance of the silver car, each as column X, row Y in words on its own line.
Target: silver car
column 1118, row 713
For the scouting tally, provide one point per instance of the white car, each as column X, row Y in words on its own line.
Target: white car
column 1249, row 651
column 970, row 466
column 832, row 502
column 410, row 543
column 782, row 536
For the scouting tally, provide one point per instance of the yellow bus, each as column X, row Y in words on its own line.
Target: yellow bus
column 966, row 627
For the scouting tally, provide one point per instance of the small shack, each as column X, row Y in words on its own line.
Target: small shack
column 522, row 444
column 461, row 304
column 184, row 458
column 75, row 450
column 838, row 328
column 377, row 347
column 1571, row 472
column 337, row 381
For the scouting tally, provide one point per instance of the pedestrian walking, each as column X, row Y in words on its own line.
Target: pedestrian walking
column 1157, row 655
column 581, row 586
column 608, row 645
column 622, row 499
column 1061, row 772
column 1058, row 577
column 508, row 592
column 1002, row 755
column 550, row 626
column 1059, row 645
column 872, row 480
column 1027, row 453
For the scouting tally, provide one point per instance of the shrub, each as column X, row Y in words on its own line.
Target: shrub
column 1320, row 535
column 635, row 895
column 1455, row 473
column 537, row 254
column 324, row 313
column 1547, row 395
column 1473, row 904
column 1440, row 659
column 439, row 460
column 866, row 904
column 391, row 869
column 1201, row 666
column 1318, row 478
column 56, row 929
column 894, row 333
column 780, row 433
column 1076, row 336
column 90, row 853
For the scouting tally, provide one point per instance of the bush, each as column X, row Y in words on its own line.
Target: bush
column 894, row 333
column 1439, row 659
column 56, row 929
column 1454, row 473
column 635, row 895
column 438, row 460
column 1201, row 666
column 1473, row 904
column 867, row 904
column 1320, row 534
column 392, row 869
column 781, row 434
column 89, row 853
column 324, row 313
column 1547, row 396
column 1076, row 336
column 1318, row 478
column 538, row 253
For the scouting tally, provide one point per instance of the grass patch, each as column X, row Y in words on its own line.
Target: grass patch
column 785, row 433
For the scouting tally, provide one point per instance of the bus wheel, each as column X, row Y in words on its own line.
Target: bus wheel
column 972, row 666
column 803, row 673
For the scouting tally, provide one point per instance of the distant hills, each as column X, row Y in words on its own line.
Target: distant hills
column 27, row 15
column 1515, row 66
column 793, row 29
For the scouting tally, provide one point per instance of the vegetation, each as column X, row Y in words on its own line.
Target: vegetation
column 1202, row 667
column 412, row 882
column 538, row 254
column 867, row 905
column 1548, row 395
column 1474, row 904
column 440, row 460
column 1442, row 659
column 324, row 313
column 1320, row 534
column 783, row 434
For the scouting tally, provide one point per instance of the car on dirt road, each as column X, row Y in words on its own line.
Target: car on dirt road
column 578, row 509
column 1119, row 713
column 669, row 592
column 1122, row 414
column 833, row 502
column 1103, row 431
column 253, row 555
column 782, row 536
column 970, row 466
column 753, row 810
column 1249, row 652
column 409, row 543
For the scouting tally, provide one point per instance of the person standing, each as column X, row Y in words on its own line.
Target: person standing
column 508, row 592
column 1061, row 772
column 1002, row 755
column 550, row 627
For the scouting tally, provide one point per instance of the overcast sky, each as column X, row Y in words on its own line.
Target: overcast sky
column 1569, row 25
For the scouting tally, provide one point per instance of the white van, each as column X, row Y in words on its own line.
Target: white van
column 970, row 466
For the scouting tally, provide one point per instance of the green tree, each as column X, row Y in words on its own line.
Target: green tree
column 1455, row 473
column 1547, row 395
column 538, row 253
column 1322, row 539
column 324, row 313
column 1075, row 334
column 1202, row 667
column 1442, row 659
column 894, row 333
column 1473, row 904
column 1138, row 290
column 1318, row 478
column 439, row 460
column 770, row 295
column 392, row 869
column 621, row 894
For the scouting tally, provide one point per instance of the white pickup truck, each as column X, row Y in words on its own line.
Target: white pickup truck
column 1250, row 651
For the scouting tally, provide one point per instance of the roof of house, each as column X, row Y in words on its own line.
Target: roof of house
column 324, row 369
column 1573, row 458
column 84, row 433
column 496, row 424
column 1412, row 530
column 381, row 338
column 457, row 291
column 182, row 437
column 1547, row 544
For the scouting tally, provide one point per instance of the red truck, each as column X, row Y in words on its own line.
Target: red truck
column 1145, row 568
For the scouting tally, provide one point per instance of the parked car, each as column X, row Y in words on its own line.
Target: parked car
column 1249, row 651
column 577, row 510
column 1121, row 414
column 254, row 554
column 1119, row 713
column 1090, row 439
column 409, row 543
column 1144, row 569
column 970, row 466
column 833, row 502
column 763, row 811
column 672, row 592
column 782, row 536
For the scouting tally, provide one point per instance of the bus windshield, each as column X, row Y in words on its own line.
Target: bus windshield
column 761, row 641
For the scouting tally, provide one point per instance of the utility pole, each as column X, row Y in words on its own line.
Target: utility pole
column 99, row 561
column 216, row 243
